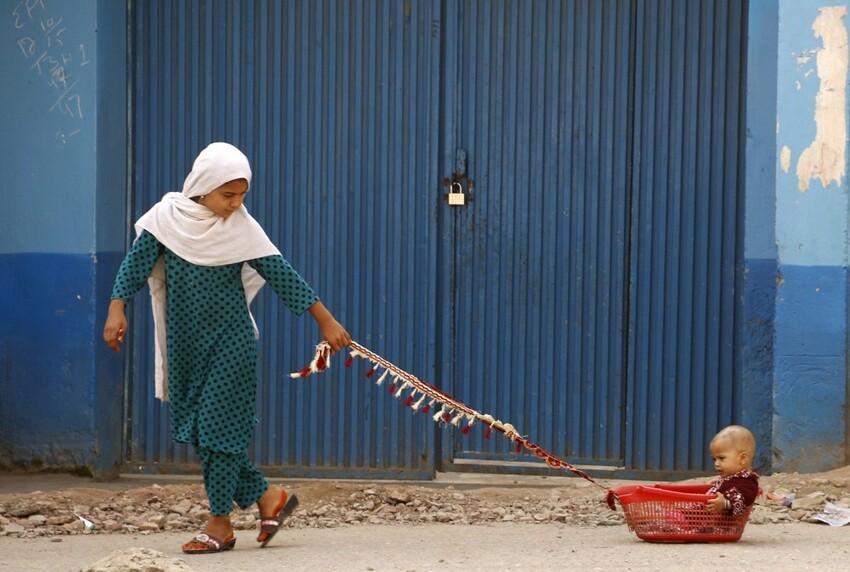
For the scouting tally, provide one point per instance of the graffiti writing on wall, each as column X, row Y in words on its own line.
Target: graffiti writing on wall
column 44, row 41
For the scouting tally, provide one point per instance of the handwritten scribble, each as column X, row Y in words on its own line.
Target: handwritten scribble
column 42, row 38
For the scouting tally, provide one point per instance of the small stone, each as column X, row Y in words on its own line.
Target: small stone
column 183, row 507
column 24, row 511
column 398, row 496
column 13, row 528
column 37, row 519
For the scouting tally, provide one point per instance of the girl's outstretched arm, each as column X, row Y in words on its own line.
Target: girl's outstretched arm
column 331, row 330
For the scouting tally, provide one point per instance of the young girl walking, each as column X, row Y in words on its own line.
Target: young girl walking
column 204, row 259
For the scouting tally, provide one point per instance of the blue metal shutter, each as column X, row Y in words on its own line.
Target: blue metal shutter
column 537, row 95
column 685, row 252
column 334, row 102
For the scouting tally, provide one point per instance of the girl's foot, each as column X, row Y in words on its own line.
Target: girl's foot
column 219, row 531
column 206, row 543
column 283, row 507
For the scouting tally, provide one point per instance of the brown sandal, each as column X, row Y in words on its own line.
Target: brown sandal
column 210, row 544
column 269, row 525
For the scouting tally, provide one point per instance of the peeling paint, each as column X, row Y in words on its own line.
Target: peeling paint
column 824, row 158
column 785, row 158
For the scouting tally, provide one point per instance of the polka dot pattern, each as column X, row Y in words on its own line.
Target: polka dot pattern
column 212, row 352
column 230, row 478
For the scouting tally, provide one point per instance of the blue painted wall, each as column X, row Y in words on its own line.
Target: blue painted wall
column 811, row 208
column 62, row 234
column 759, row 272
column 61, row 230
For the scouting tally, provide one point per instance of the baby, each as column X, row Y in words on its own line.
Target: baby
column 738, row 485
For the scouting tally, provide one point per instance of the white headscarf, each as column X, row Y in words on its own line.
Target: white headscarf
column 198, row 235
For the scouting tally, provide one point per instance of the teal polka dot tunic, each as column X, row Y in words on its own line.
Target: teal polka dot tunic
column 211, row 349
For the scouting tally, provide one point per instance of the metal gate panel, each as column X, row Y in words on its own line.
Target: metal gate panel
column 688, row 129
column 594, row 269
column 334, row 102
column 537, row 98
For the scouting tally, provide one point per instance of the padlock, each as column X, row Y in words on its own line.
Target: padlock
column 456, row 197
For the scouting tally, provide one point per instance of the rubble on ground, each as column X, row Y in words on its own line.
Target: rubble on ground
column 329, row 504
column 138, row 560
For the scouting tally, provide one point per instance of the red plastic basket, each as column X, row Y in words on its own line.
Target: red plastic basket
column 675, row 513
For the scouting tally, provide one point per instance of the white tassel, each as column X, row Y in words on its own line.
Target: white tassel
column 439, row 414
column 418, row 404
column 383, row 377
column 402, row 388
column 457, row 419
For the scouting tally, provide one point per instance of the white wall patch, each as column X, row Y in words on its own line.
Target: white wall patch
column 825, row 159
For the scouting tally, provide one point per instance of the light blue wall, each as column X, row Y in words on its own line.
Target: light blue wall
column 759, row 276
column 49, row 66
column 810, row 352
column 61, row 229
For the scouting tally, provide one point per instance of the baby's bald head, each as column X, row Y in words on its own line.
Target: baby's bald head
column 738, row 437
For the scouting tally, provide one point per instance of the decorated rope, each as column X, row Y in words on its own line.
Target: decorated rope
column 423, row 397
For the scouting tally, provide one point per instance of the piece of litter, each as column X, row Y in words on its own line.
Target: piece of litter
column 833, row 515
column 89, row 524
column 782, row 496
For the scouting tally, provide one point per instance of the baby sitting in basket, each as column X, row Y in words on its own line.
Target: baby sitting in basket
column 697, row 512
column 737, row 486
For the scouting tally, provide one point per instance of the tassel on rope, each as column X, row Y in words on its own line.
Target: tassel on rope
column 451, row 410
column 468, row 427
column 383, row 377
column 402, row 388
column 439, row 415
column 321, row 361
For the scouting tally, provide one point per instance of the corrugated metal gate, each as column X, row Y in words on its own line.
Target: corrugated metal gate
column 584, row 292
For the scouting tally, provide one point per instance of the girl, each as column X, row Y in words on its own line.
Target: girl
column 204, row 258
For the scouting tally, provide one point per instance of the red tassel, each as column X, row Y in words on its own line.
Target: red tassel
column 305, row 372
column 488, row 431
column 320, row 363
column 466, row 429
column 426, row 408
column 518, row 446
column 349, row 361
column 392, row 388
column 370, row 373
column 409, row 401
column 447, row 416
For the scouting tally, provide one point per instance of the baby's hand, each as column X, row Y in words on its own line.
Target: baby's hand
column 717, row 504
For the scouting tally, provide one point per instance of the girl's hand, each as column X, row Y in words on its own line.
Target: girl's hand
column 115, row 326
column 335, row 335
column 717, row 504
column 331, row 330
